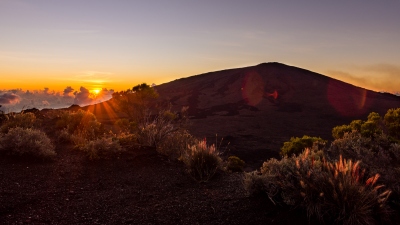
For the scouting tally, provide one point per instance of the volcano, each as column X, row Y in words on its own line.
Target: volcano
column 257, row 108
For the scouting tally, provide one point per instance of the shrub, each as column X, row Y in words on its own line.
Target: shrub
column 27, row 142
column 127, row 139
column 81, row 123
column 153, row 133
column 175, row 144
column 102, row 148
column 369, row 128
column 372, row 152
column 297, row 145
column 155, row 129
column 64, row 136
column 23, row 120
column 339, row 131
column 347, row 197
column 202, row 161
column 392, row 122
column 253, row 183
column 135, row 102
column 3, row 117
column 235, row 164
column 332, row 192
column 124, row 126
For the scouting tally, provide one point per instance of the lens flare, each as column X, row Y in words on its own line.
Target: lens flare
column 348, row 102
column 253, row 88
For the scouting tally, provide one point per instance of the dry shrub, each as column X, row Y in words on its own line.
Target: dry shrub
column 154, row 129
column 202, row 161
column 23, row 120
column 127, row 139
column 253, row 183
column 347, row 198
column 102, row 148
column 27, row 142
column 64, row 137
column 373, row 152
column 336, row 193
column 235, row 164
column 175, row 144
column 82, row 124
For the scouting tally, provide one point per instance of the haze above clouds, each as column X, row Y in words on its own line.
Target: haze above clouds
column 116, row 45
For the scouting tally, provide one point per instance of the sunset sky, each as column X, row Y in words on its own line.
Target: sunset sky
column 115, row 45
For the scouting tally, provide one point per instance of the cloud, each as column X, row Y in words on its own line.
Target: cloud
column 387, row 70
column 378, row 77
column 45, row 103
column 68, row 90
column 83, row 97
column 383, row 76
column 17, row 99
column 9, row 98
column 348, row 77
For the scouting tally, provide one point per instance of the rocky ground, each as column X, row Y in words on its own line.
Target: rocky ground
column 140, row 187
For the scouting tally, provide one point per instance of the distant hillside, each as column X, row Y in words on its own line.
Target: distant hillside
column 259, row 107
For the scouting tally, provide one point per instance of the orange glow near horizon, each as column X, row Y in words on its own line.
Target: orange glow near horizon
column 58, row 81
column 33, row 79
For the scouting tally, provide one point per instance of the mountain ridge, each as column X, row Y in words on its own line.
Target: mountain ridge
column 257, row 108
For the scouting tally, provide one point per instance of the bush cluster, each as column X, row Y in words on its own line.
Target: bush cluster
column 374, row 125
column 235, row 164
column 27, row 142
column 102, row 148
column 373, row 153
column 337, row 192
column 297, row 145
column 202, row 161
column 13, row 120
column 81, row 124
column 331, row 188
column 176, row 143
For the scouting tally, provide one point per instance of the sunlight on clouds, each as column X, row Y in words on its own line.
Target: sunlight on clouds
column 377, row 77
column 18, row 99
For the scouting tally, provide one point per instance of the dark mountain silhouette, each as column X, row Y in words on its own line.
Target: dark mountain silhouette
column 257, row 108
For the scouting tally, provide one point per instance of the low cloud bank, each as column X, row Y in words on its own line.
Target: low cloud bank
column 17, row 99
column 9, row 98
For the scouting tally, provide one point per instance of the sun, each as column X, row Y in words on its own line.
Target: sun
column 95, row 92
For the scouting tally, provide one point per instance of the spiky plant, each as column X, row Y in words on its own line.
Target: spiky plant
column 202, row 161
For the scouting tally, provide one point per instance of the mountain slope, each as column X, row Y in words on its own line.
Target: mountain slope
column 259, row 107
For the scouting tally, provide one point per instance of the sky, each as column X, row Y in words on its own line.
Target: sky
column 53, row 47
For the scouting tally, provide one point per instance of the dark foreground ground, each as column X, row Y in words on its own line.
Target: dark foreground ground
column 141, row 187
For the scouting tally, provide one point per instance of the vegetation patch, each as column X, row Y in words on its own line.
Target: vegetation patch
column 102, row 148
column 202, row 161
column 27, row 142
column 297, row 145
column 332, row 192
column 235, row 164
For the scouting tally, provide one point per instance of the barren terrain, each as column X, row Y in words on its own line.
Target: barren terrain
column 140, row 187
